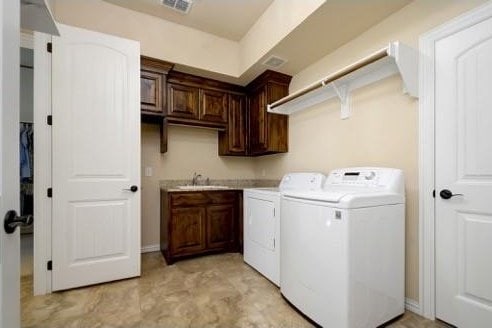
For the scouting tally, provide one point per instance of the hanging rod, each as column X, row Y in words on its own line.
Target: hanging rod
column 395, row 58
column 333, row 77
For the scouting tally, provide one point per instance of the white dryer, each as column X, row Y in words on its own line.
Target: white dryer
column 261, row 231
column 343, row 248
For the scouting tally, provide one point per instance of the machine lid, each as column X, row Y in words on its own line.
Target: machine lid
column 348, row 199
column 331, row 197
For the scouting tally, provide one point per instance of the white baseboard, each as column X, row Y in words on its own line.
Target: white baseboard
column 150, row 248
column 413, row 306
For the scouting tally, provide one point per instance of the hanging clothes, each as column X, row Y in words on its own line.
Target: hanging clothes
column 26, row 152
column 25, row 158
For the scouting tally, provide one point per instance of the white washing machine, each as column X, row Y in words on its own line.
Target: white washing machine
column 343, row 248
column 261, row 238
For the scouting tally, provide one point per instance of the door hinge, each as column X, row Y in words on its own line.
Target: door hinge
column 434, row 193
column 49, row 120
column 49, row 192
column 49, row 265
column 49, row 47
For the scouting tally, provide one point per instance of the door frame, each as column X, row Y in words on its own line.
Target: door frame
column 42, row 167
column 427, row 273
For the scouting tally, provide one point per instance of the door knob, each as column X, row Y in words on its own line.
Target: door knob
column 132, row 189
column 12, row 221
column 447, row 194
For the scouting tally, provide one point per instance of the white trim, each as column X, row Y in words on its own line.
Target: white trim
column 413, row 306
column 150, row 248
column 27, row 40
column 42, row 169
column 427, row 152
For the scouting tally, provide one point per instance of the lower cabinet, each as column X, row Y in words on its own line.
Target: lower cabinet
column 199, row 222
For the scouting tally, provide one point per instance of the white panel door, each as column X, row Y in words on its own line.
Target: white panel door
column 96, row 158
column 9, row 162
column 464, row 166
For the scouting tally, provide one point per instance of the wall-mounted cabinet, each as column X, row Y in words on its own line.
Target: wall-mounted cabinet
column 238, row 113
column 183, row 101
column 234, row 140
column 197, row 101
column 268, row 133
column 153, row 75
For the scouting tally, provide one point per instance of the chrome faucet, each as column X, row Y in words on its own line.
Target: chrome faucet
column 194, row 181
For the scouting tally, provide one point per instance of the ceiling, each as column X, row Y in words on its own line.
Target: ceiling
column 321, row 33
column 230, row 19
column 333, row 24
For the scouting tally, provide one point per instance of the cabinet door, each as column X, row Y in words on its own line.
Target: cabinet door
column 258, row 121
column 187, row 230
column 232, row 141
column 220, row 226
column 213, row 106
column 183, row 101
column 277, row 125
column 151, row 94
column 237, row 124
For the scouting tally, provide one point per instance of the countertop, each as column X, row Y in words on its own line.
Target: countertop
column 223, row 184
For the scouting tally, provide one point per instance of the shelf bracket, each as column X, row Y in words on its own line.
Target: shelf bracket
column 343, row 93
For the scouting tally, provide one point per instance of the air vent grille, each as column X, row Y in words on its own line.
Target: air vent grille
column 274, row 62
column 183, row 6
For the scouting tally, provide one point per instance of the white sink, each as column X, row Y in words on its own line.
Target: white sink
column 202, row 187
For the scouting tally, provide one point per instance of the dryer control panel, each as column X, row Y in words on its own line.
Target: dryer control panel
column 302, row 181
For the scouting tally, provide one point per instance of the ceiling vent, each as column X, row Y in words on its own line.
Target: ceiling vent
column 274, row 61
column 183, row 6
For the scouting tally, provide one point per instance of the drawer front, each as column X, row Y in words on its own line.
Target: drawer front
column 222, row 197
column 202, row 198
column 189, row 199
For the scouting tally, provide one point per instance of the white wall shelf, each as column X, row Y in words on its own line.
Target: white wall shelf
column 396, row 58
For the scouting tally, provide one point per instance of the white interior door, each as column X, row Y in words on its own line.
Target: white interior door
column 464, row 166
column 9, row 162
column 96, row 158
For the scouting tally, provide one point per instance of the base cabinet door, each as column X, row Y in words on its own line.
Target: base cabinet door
column 187, row 230
column 220, row 226
column 198, row 223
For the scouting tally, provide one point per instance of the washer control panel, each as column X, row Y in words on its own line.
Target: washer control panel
column 369, row 177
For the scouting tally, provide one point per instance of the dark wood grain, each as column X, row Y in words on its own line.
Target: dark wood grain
column 233, row 141
column 183, row 101
column 268, row 132
column 197, row 223
column 213, row 106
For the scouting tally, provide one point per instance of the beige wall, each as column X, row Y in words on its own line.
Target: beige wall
column 189, row 150
column 383, row 128
column 158, row 38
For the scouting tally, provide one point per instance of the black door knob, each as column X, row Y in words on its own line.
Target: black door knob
column 447, row 194
column 132, row 189
column 11, row 221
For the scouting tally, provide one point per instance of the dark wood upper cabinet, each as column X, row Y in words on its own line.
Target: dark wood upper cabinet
column 233, row 141
column 213, row 106
column 183, row 101
column 239, row 113
column 153, row 74
column 268, row 132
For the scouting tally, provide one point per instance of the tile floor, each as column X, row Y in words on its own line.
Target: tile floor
column 212, row 291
